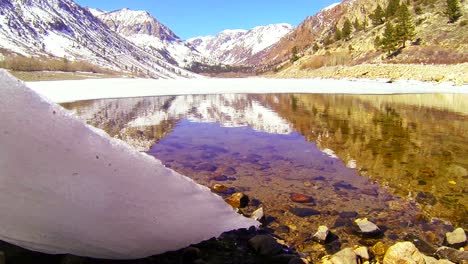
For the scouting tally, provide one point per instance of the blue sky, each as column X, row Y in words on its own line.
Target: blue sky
column 190, row 18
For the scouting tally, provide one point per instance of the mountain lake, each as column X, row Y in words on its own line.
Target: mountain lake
column 312, row 159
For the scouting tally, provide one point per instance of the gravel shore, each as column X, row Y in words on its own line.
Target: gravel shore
column 457, row 73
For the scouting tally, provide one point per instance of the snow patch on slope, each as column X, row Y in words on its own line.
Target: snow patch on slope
column 70, row 188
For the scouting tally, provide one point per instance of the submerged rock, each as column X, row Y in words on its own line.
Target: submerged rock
column 301, row 198
column 456, row 256
column 322, row 234
column 265, row 245
column 238, row 200
column 403, row 253
column 303, row 211
column 457, row 238
column 366, row 227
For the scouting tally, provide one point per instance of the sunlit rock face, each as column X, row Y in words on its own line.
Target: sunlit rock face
column 69, row 188
column 141, row 122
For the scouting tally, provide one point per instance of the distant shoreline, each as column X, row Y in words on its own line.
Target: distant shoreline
column 456, row 73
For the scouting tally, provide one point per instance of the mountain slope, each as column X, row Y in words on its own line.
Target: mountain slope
column 147, row 32
column 63, row 29
column 238, row 46
column 314, row 38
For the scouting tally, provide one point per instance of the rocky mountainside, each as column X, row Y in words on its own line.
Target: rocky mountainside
column 435, row 41
column 63, row 29
column 237, row 47
column 147, row 32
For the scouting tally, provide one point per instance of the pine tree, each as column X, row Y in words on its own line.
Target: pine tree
column 346, row 31
column 405, row 29
column 357, row 25
column 392, row 8
column 389, row 42
column 294, row 56
column 377, row 16
column 453, row 10
column 338, row 34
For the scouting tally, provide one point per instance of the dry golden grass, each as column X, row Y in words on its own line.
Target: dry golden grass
column 333, row 59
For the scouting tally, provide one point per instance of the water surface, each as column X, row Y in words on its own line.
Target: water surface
column 399, row 160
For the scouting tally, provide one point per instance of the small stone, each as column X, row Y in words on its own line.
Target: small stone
column 426, row 198
column 265, row 245
column 238, row 200
column 362, row 252
column 366, row 227
column 456, row 256
column 226, row 170
column 303, row 211
column 219, row 177
column 378, row 250
column 205, row 167
column 190, row 254
column 348, row 214
column 307, row 184
column 301, row 198
column 457, row 238
column 322, row 234
column 219, row 188
column 403, row 253
column 344, row 256
column 258, row 214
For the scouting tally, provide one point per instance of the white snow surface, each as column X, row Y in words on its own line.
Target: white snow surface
column 331, row 6
column 76, row 90
column 66, row 187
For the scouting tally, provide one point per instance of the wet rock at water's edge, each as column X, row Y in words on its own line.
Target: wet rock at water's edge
column 265, row 245
column 378, row 249
column 238, row 200
column 362, row 253
column 403, row 253
column 367, row 228
column 321, row 234
column 258, row 214
column 344, row 256
column 456, row 256
column 457, row 238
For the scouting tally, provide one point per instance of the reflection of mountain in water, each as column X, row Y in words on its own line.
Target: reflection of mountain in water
column 419, row 151
column 143, row 121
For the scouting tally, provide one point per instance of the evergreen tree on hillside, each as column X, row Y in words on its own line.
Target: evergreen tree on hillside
column 338, row 34
column 346, row 31
column 392, row 8
column 357, row 25
column 453, row 10
column 389, row 41
column 405, row 29
column 377, row 16
column 294, row 56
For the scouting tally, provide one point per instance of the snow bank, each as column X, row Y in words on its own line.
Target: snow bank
column 66, row 187
column 66, row 91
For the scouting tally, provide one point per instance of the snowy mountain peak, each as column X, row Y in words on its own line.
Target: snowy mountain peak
column 238, row 45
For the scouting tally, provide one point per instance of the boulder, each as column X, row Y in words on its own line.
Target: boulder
column 265, row 245
column 238, row 200
column 403, row 253
column 344, row 256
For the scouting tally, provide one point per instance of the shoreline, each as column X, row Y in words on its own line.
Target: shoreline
column 456, row 73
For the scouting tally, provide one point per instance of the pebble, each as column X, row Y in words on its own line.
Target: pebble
column 366, row 227
column 457, row 238
column 301, row 198
column 303, row 211
column 362, row 252
column 238, row 200
column 403, row 253
column 265, row 245
column 258, row 214
column 456, row 256
column 322, row 234
column 219, row 188
column 226, row 170
column 205, row 167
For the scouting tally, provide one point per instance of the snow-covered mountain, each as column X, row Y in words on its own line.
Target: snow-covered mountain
column 147, row 32
column 62, row 28
column 237, row 46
